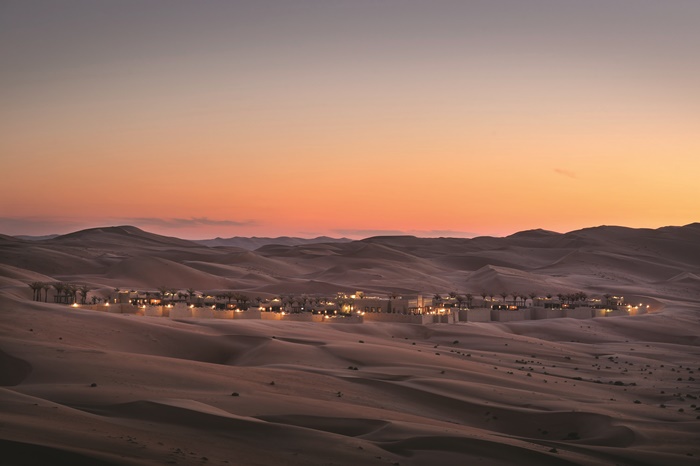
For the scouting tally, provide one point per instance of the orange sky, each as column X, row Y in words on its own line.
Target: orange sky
column 352, row 119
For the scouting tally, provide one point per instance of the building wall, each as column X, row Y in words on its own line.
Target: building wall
column 475, row 315
column 447, row 318
column 250, row 314
column 579, row 313
column 344, row 320
column 177, row 313
column 203, row 312
column 539, row 313
column 502, row 315
column 399, row 318
column 368, row 304
column 610, row 313
column 153, row 311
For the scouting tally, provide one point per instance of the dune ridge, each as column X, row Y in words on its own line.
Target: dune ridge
column 85, row 387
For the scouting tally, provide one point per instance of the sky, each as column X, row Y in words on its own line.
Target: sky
column 348, row 118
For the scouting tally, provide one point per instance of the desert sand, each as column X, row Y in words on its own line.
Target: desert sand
column 91, row 388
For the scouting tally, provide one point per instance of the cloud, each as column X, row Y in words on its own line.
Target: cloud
column 39, row 225
column 56, row 225
column 567, row 173
column 365, row 233
column 184, row 222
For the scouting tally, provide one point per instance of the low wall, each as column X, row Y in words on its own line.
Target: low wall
column 153, row 311
column 178, row 312
column 111, row 308
column 449, row 318
column 475, row 315
column 610, row 312
column 249, row 314
column 203, row 312
column 296, row 317
column 223, row 314
column 502, row 315
column 344, row 320
column 94, row 307
column 578, row 313
column 400, row 318
column 303, row 317
column 539, row 313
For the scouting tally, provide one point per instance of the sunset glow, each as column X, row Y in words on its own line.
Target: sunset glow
column 355, row 118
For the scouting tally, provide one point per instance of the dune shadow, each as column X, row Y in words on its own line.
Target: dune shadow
column 31, row 454
column 349, row 427
column 13, row 370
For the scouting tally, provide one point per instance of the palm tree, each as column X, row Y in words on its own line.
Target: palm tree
column 59, row 287
column 608, row 298
column 46, row 287
column 452, row 294
column 460, row 301
column 71, row 292
column 504, row 295
column 36, row 287
column 243, row 299
column 84, row 290
column 190, row 293
column 483, row 297
column 582, row 296
column 163, row 291
column 469, row 297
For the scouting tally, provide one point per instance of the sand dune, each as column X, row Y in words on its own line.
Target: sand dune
column 93, row 388
column 140, row 271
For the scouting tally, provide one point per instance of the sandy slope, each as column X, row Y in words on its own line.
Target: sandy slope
column 603, row 259
column 602, row 391
column 449, row 394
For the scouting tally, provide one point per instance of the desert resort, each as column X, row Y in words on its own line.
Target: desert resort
column 353, row 308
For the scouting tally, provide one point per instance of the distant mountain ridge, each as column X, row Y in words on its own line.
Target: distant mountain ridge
column 253, row 243
column 665, row 262
column 36, row 238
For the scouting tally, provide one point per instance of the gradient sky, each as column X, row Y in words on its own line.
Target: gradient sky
column 358, row 117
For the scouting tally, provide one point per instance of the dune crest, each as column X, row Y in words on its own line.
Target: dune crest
column 92, row 387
